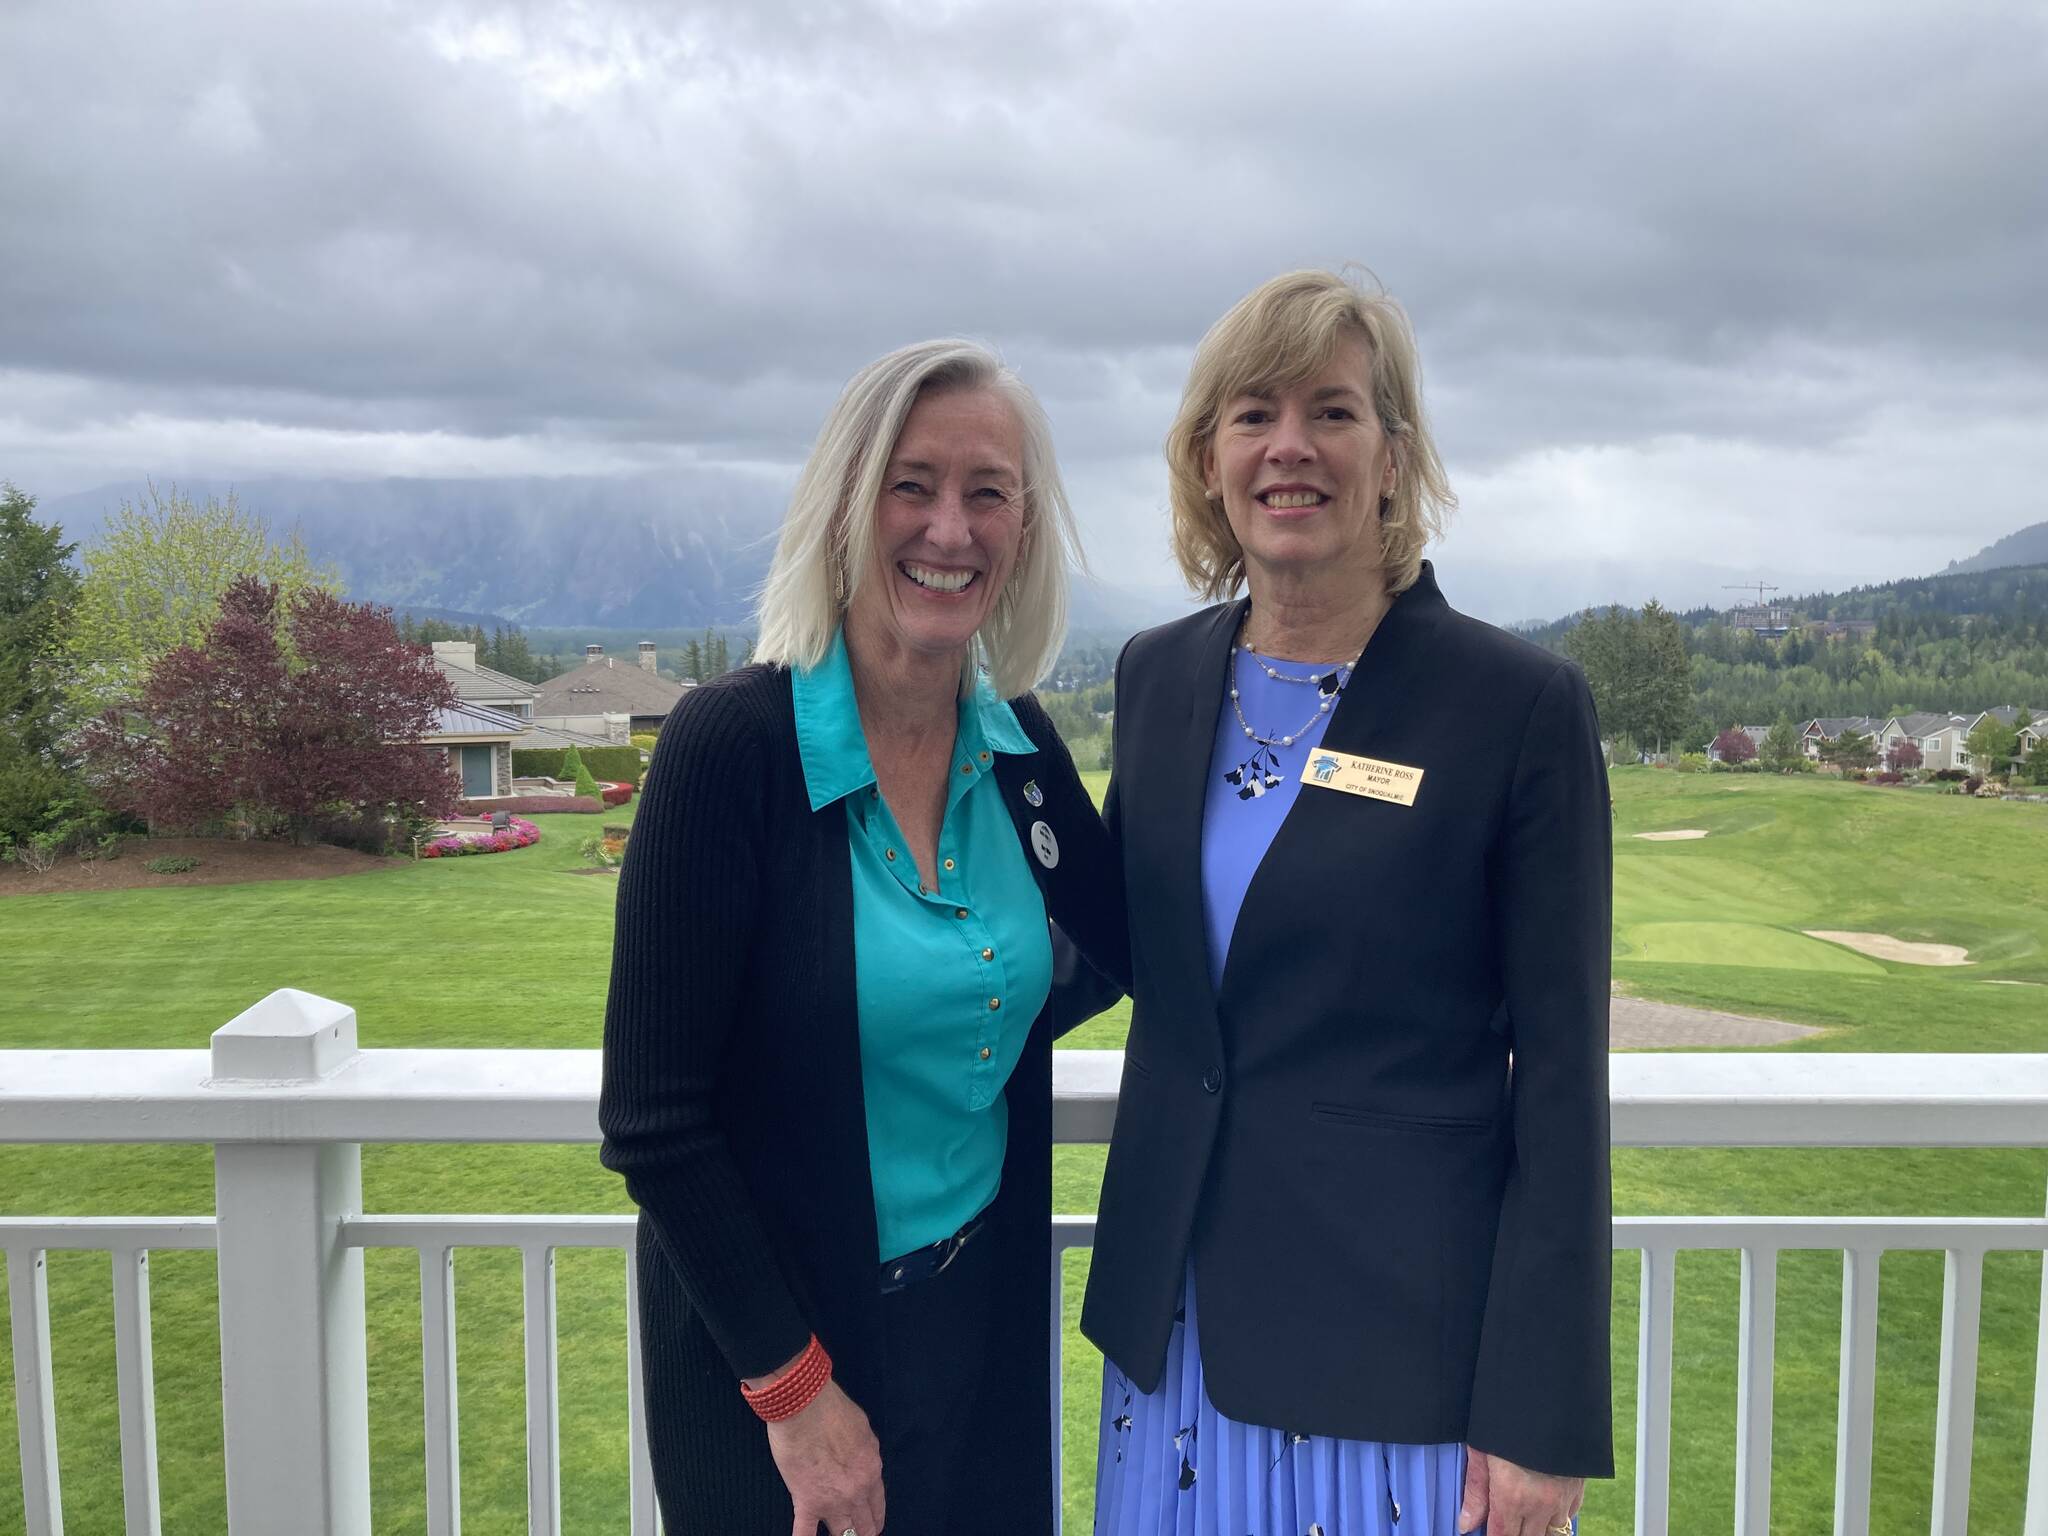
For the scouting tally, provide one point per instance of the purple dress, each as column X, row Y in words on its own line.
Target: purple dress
column 1168, row 1463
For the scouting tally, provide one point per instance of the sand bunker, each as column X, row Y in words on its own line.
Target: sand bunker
column 1883, row 946
column 1683, row 834
column 2016, row 983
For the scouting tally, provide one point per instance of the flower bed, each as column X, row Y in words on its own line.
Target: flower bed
column 454, row 845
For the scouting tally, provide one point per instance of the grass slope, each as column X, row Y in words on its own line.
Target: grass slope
column 511, row 950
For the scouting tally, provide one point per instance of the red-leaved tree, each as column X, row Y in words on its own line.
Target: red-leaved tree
column 282, row 719
column 1734, row 746
column 1903, row 757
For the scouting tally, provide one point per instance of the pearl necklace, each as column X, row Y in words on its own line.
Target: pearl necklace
column 1260, row 772
column 1329, row 685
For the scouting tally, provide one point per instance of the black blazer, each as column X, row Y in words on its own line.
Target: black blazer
column 732, row 1104
column 1394, row 1236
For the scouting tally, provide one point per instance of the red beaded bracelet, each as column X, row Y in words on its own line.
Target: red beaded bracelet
column 792, row 1392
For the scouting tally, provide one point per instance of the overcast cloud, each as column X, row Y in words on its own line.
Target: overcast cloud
column 1702, row 293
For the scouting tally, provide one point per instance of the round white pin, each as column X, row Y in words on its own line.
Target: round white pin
column 1045, row 845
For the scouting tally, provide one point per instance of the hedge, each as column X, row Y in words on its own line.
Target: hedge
column 532, row 805
column 620, row 763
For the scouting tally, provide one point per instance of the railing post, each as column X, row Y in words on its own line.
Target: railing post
column 294, row 1377
column 2036, row 1521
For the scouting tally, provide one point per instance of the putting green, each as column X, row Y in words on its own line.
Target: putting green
column 1750, row 944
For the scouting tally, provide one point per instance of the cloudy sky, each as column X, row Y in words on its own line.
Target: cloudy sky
column 1704, row 293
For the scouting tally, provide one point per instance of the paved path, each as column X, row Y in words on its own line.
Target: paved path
column 1635, row 1025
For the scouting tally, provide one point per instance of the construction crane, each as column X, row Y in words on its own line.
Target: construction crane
column 1761, row 588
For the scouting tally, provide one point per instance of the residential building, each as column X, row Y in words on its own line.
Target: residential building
column 479, row 742
column 1757, row 734
column 481, row 685
column 1817, row 733
column 2005, row 714
column 1936, row 735
column 606, row 697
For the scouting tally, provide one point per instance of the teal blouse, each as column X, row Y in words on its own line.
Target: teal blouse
column 948, row 981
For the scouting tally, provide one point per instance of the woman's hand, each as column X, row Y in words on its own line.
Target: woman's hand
column 1513, row 1501
column 830, row 1460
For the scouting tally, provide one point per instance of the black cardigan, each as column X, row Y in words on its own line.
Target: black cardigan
column 1393, row 1237
column 732, row 1104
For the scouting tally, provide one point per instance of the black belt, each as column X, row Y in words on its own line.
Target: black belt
column 923, row 1263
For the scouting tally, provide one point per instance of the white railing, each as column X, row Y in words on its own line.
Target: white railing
column 287, row 1100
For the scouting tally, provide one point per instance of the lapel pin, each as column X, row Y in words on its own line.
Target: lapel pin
column 1033, row 795
column 1045, row 845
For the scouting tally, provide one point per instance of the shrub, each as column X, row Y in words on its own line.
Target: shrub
column 1887, row 776
column 1971, row 783
column 615, row 794
column 1692, row 762
column 1951, row 775
column 605, row 852
column 37, row 852
column 534, row 805
column 618, row 763
column 171, row 864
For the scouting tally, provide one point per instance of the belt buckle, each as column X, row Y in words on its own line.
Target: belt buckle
column 955, row 1243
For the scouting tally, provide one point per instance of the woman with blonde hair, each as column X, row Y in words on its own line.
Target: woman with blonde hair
column 1352, row 1254
column 827, row 1062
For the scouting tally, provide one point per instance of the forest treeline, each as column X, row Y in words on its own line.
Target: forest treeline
column 1956, row 644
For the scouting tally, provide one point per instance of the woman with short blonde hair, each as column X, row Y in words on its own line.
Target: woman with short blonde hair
column 1277, row 336
column 828, row 1044
column 1352, row 1252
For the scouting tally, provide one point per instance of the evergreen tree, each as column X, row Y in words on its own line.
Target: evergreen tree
column 1781, row 751
column 37, row 586
column 1663, row 698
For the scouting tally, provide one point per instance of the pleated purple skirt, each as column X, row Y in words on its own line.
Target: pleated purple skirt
column 1171, row 1465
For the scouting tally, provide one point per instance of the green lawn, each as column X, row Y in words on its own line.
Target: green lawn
column 511, row 950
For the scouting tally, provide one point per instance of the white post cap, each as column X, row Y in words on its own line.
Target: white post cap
column 290, row 1036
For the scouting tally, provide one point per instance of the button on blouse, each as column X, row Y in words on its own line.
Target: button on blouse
column 949, row 979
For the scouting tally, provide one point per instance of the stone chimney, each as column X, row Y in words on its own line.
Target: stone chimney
column 457, row 653
column 647, row 656
column 592, row 652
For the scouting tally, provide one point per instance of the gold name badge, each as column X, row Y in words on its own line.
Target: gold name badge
column 1366, row 776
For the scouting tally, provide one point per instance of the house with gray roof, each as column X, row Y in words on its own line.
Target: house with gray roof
column 1936, row 735
column 473, row 684
column 479, row 741
column 1823, row 731
column 1757, row 734
column 2007, row 715
column 607, row 697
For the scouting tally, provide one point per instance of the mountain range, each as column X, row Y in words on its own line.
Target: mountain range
column 681, row 551
column 603, row 552
column 2027, row 547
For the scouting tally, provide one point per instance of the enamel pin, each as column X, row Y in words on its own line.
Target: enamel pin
column 1367, row 776
column 1033, row 795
